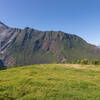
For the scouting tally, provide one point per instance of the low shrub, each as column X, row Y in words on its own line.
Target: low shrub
column 84, row 61
column 95, row 62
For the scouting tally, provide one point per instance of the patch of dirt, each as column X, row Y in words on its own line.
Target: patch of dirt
column 78, row 66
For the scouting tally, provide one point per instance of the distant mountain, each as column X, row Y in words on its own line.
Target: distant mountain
column 98, row 46
column 28, row 46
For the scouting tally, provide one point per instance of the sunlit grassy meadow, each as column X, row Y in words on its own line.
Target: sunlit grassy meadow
column 51, row 82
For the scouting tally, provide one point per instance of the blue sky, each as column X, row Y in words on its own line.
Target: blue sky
column 80, row 17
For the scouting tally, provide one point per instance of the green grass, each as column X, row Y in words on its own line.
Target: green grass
column 50, row 82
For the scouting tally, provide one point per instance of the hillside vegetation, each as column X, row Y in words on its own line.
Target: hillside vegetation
column 51, row 82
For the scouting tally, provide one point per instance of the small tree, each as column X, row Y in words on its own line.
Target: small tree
column 95, row 62
column 78, row 61
column 84, row 61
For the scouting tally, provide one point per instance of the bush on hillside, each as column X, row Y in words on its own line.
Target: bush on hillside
column 95, row 62
column 78, row 61
column 84, row 61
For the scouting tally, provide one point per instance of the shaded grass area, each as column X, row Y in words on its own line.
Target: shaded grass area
column 50, row 82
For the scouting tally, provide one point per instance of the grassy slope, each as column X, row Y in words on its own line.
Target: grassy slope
column 50, row 82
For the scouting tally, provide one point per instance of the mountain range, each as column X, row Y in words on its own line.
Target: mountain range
column 28, row 46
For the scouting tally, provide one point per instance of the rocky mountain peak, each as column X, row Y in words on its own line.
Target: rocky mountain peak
column 29, row 46
column 2, row 27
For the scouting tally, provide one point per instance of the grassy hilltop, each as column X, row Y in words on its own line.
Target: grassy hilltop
column 51, row 82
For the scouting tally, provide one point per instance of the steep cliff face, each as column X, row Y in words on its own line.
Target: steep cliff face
column 29, row 46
